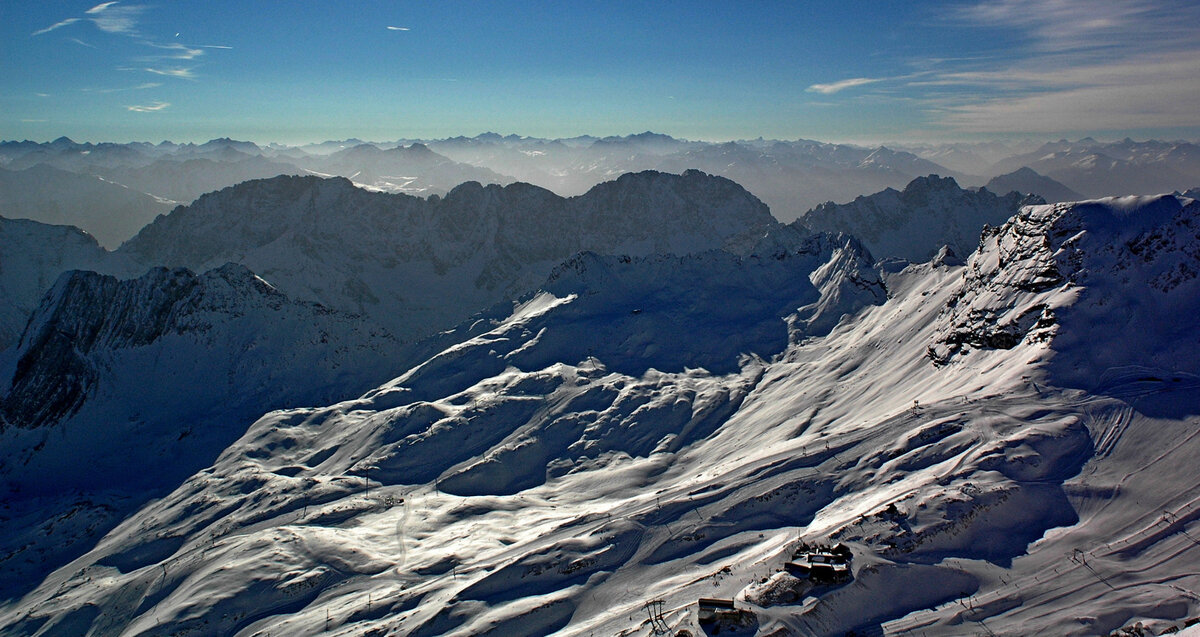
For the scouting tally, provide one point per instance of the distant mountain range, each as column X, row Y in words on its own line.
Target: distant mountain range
column 112, row 212
column 110, row 189
column 1103, row 169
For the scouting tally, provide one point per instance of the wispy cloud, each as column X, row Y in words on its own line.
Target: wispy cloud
column 56, row 25
column 171, row 59
column 177, row 51
column 1078, row 66
column 179, row 72
column 110, row 17
column 1138, row 93
column 149, row 108
column 114, row 17
column 841, row 85
column 140, row 87
column 392, row 28
column 1074, row 25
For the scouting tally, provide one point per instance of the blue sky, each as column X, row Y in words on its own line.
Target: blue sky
column 297, row 71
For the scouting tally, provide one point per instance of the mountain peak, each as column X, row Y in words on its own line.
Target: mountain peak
column 929, row 183
column 1027, row 180
column 913, row 224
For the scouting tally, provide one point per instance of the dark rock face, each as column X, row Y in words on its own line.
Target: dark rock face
column 86, row 317
column 167, row 369
column 1027, row 180
column 86, row 311
column 32, row 256
column 992, row 310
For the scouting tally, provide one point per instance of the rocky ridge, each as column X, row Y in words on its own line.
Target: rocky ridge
column 914, row 223
column 393, row 257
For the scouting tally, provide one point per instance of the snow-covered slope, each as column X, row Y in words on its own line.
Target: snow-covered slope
column 128, row 386
column 1025, row 279
column 671, row 428
column 421, row 265
column 915, row 223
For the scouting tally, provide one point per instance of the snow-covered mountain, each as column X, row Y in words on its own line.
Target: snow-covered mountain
column 916, row 222
column 421, row 265
column 413, row 170
column 119, row 388
column 1076, row 263
column 32, row 256
column 1026, row 180
column 790, row 176
column 670, row 428
column 1099, row 169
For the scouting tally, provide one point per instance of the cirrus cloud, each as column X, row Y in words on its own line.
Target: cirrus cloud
column 841, row 85
column 56, row 25
column 1081, row 66
column 149, row 108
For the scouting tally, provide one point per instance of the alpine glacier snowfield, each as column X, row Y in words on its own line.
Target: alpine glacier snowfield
column 1006, row 445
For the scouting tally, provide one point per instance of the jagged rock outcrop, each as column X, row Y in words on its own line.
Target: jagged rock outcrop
column 162, row 357
column 1017, row 286
column 914, row 223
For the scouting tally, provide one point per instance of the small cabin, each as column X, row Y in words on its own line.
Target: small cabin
column 821, row 563
column 713, row 610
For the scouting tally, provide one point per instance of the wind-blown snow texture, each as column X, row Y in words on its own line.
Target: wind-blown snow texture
column 669, row 427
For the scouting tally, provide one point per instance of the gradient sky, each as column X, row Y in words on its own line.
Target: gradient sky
column 298, row 71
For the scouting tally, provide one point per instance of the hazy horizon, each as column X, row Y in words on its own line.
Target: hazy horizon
column 865, row 143
column 933, row 71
